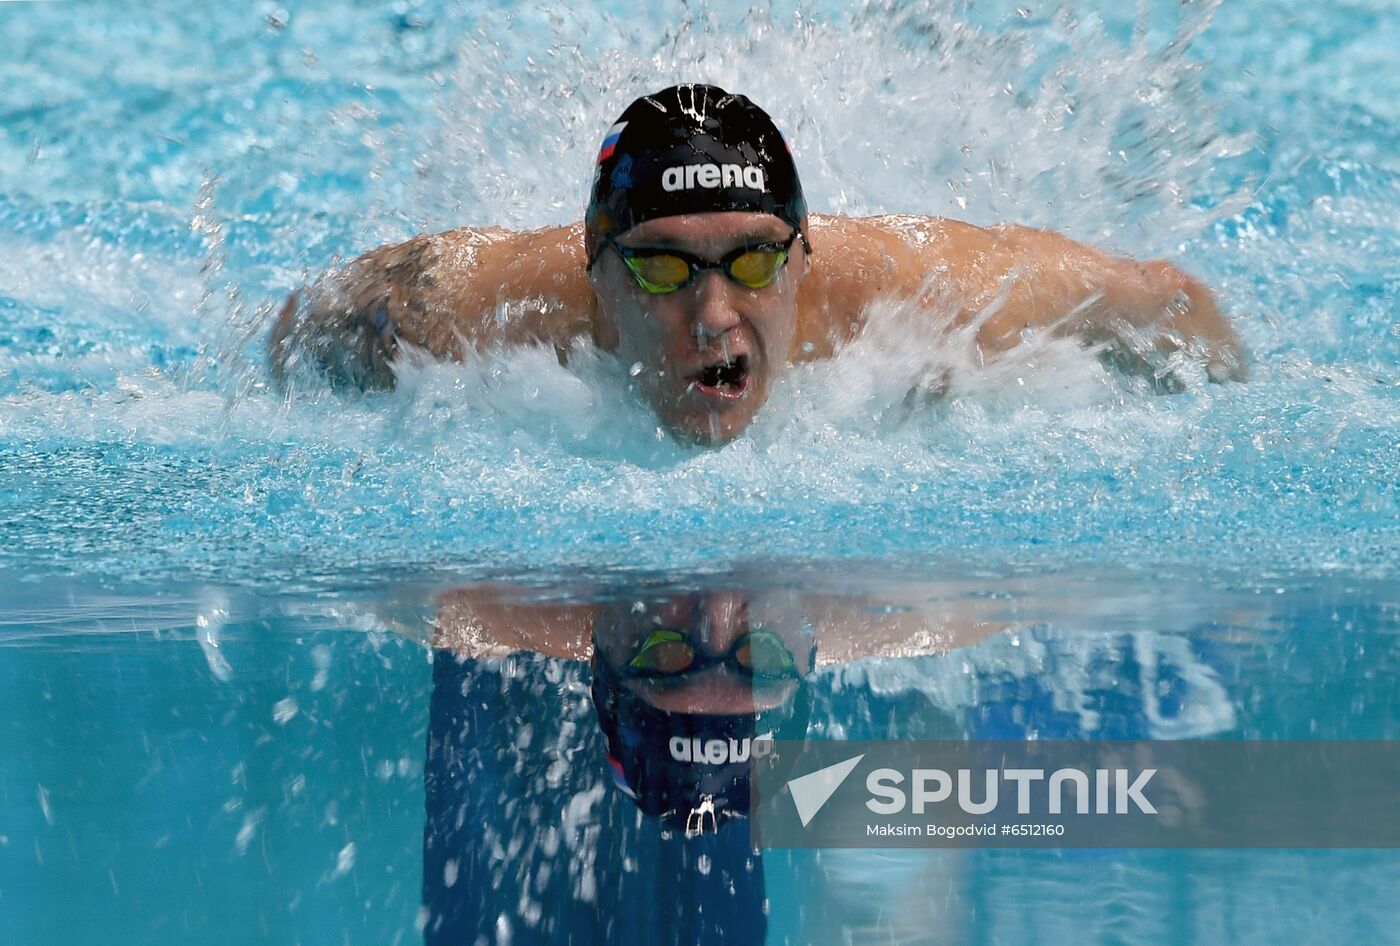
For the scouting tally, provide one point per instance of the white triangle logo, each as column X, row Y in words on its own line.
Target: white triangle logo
column 811, row 791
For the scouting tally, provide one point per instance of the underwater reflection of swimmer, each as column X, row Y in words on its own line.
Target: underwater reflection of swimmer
column 553, row 817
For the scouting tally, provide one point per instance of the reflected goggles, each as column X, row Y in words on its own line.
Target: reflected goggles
column 659, row 271
column 667, row 654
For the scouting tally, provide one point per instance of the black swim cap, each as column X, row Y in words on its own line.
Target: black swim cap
column 671, row 763
column 690, row 149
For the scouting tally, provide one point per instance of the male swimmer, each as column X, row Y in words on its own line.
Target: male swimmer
column 698, row 262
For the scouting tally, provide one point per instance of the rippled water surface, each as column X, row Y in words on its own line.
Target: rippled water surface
column 215, row 596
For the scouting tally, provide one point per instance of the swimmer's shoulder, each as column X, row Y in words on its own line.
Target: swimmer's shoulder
column 421, row 284
column 882, row 252
column 440, row 294
column 859, row 260
column 487, row 285
column 347, row 324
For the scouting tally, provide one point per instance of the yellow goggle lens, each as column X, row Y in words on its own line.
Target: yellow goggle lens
column 757, row 268
column 765, row 654
column 663, row 652
column 659, row 273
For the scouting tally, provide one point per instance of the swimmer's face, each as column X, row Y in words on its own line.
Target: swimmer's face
column 715, row 621
column 711, row 351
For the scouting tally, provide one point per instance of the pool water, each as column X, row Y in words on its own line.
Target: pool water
column 217, row 701
column 243, row 768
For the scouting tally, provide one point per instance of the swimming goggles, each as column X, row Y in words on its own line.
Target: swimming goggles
column 667, row 654
column 659, row 271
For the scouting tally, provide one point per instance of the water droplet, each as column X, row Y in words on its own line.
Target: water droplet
column 345, row 860
column 321, row 657
column 285, row 711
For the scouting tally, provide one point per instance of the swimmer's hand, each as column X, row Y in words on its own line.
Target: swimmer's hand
column 1156, row 304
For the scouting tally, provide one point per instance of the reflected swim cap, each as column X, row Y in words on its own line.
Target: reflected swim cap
column 690, row 149
column 690, row 770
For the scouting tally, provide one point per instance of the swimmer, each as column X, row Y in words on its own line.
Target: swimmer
column 699, row 267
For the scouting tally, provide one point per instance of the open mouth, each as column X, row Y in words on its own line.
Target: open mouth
column 723, row 379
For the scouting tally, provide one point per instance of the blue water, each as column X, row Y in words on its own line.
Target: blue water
column 184, row 548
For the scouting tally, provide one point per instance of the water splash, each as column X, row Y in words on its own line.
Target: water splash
column 1121, row 127
column 903, row 107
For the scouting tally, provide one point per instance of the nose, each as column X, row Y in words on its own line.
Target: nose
column 714, row 310
column 724, row 616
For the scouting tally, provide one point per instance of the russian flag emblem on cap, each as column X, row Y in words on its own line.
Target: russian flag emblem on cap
column 619, row 779
column 610, row 142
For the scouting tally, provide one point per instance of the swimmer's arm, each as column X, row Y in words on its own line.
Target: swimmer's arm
column 1145, row 311
column 483, row 621
column 442, row 295
column 851, row 629
column 342, row 325
column 490, row 621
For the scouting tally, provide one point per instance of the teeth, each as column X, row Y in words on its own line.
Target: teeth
column 727, row 373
